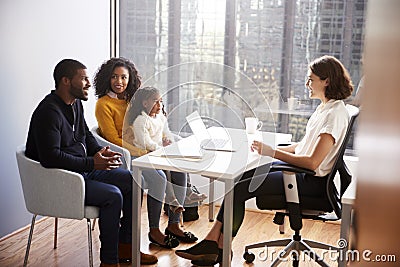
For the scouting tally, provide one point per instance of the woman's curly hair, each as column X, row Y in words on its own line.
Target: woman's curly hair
column 103, row 75
column 340, row 85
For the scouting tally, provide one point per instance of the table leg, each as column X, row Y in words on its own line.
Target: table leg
column 211, row 196
column 228, row 218
column 344, row 233
column 136, row 215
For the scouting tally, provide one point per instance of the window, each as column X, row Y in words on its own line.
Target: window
column 271, row 42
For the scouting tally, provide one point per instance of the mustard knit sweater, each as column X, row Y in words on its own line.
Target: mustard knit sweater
column 110, row 113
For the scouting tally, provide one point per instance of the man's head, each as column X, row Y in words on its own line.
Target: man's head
column 70, row 77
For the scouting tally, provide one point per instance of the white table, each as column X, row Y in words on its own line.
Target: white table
column 296, row 111
column 222, row 166
column 302, row 111
column 348, row 199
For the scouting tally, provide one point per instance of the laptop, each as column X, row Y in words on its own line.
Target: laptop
column 203, row 137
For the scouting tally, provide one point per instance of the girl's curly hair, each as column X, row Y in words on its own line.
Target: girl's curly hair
column 103, row 75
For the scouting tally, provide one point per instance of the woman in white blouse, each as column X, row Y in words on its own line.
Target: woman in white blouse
column 328, row 81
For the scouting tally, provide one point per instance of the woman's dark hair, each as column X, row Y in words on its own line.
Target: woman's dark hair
column 66, row 68
column 136, row 105
column 340, row 85
column 102, row 78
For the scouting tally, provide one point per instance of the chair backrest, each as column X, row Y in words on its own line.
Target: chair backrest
column 126, row 156
column 50, row 192
column 335, row 195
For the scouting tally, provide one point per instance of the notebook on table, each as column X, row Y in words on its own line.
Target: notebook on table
column 181, row 150
column 201, row 133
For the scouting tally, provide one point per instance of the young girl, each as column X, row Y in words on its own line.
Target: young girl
column 151, row 132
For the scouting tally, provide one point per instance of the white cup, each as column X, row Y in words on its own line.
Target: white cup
column 252, row 124
column 292, row 103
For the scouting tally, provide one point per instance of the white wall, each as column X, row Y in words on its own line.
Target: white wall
column 35, row 36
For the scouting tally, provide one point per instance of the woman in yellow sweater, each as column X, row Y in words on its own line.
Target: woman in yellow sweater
column 115, row 83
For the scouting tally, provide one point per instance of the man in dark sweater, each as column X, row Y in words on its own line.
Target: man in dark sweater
column 58, row 137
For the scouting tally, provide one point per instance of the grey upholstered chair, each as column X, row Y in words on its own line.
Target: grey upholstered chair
column 55, row 193
column 325, row 208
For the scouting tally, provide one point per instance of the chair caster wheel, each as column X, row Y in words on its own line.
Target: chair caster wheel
column 249, row 257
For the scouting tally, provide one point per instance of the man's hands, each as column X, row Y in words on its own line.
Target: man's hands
column 106, row 159
column 262, row 149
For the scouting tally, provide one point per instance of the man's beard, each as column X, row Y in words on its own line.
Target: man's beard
column 79, row 93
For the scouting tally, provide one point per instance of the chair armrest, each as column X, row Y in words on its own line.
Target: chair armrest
column 126, row 156
column 291, row 168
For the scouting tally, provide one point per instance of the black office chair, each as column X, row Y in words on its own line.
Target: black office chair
column 306, row 207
